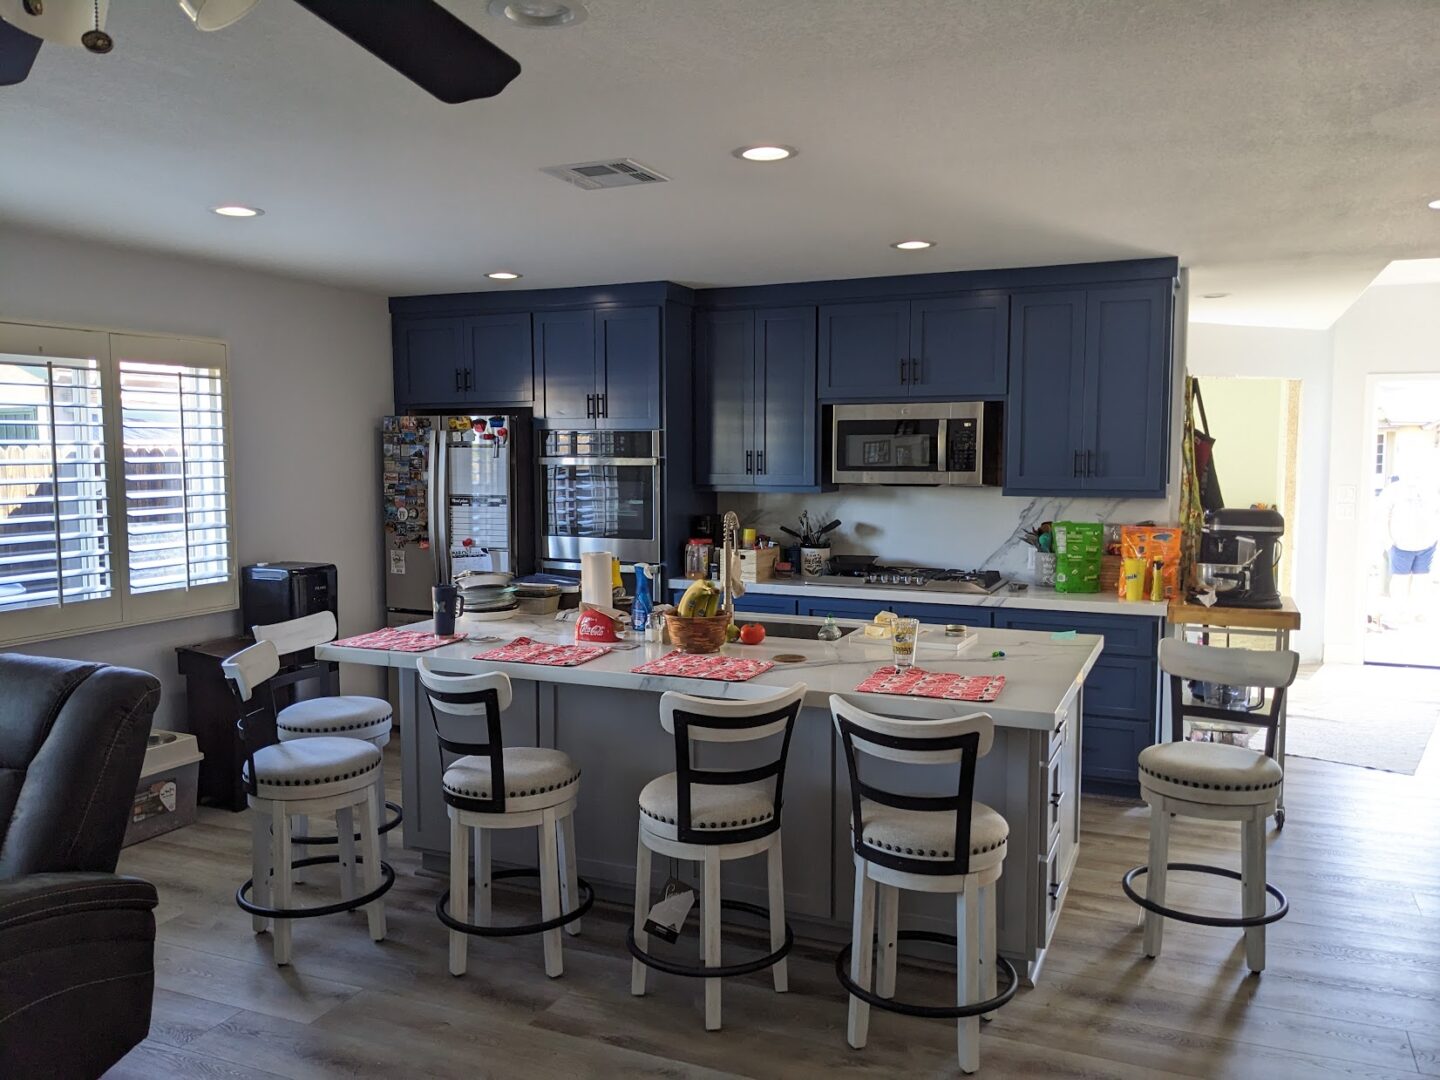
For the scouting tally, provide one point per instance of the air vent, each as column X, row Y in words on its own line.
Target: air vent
column 594, row 175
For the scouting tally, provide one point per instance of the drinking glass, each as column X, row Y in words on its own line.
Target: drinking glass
column 902, row 642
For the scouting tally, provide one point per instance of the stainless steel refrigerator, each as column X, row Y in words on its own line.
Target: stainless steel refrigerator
column 457, row 494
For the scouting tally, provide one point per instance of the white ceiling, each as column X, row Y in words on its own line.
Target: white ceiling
column 1284, row 150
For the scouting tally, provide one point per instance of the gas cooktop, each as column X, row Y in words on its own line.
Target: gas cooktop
column 927, row 578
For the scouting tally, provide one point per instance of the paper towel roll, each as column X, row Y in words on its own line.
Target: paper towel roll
column 595, row 578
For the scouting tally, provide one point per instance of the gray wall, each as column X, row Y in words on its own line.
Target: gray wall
column 309, row 376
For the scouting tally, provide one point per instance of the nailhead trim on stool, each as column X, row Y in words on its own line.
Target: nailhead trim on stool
column 311, row 781
column 456, row 789
column 1268, row 786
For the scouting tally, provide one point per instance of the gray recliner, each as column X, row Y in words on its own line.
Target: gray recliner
column 77, row 941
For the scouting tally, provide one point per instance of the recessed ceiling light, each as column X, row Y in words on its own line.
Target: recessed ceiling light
column 766, row 152
column 1434, row 204
column 235, row 210
column 539, row 13
column 504, row 275
column 913, row 245
column 1214, row 295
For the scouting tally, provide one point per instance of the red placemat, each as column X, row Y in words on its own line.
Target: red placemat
column 524, row 650
column 933, row 684
column 693, row 666
column 399, row 641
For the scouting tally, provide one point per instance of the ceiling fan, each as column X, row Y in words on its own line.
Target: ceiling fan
column 418, row 38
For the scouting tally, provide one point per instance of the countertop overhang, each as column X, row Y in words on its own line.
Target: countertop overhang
column 1043, row 672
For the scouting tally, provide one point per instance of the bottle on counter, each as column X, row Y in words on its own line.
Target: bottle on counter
column 697, row 558
column 830, row 631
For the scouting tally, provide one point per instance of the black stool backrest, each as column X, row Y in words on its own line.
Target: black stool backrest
column 1185, row 661
column 962, row 741
column 698, row 719
column 251, row 673
column 472, row 706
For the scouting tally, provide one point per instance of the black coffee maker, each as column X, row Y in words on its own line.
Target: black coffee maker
column 1239, row 550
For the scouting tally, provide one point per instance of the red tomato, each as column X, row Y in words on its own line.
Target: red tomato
column 752, row 634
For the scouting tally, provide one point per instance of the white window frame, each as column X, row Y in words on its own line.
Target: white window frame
column 122, row 608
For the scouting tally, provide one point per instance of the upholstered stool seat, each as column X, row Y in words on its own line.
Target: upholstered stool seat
column 928, row 834
column 1215, row 782
column 312, row 768
column 530, row 773
column 1212, row 773
column 347, row 715
column 736, row 806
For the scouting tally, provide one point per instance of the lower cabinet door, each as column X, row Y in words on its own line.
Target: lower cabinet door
column 1110, row 748
column 767, row 603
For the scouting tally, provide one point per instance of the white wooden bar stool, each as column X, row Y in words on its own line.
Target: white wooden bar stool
column 349, row 716
column 494, row 786
column 1217, row 782
column 926, row 843
column 319, row 775
column 712, row 816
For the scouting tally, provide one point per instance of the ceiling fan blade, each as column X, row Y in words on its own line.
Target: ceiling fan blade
column 425, row 43
column 17, row 53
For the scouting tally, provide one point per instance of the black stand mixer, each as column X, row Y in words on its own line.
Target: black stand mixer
column 1239, row 550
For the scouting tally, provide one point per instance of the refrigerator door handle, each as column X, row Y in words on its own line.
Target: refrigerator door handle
column 439, row 527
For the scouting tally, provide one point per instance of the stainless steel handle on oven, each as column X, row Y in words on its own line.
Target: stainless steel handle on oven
column 583, row 461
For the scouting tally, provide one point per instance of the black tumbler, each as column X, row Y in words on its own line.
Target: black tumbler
column 447, row 605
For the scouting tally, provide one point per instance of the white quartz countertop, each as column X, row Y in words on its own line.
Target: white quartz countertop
column 1043, row 672
column 1035, row 597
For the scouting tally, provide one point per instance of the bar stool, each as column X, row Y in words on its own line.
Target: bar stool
column 349, row 716
column 318, row 775
column 712, row 816
column 1217, row 782
column 494, row 786
column 929, row 843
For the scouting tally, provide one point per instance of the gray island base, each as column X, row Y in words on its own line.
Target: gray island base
column 608, row 720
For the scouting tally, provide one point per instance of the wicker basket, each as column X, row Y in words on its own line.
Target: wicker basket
column 701, row 634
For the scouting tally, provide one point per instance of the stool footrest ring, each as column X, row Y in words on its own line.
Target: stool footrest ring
column 1003, row 969
column 387, row 879
column 587, row 901
column 1127, row 883
column 396, row 817
column 724, row 971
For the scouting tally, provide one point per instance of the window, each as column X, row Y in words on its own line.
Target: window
column 114, row 481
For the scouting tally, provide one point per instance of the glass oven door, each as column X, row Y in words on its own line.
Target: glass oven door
column 601, row 503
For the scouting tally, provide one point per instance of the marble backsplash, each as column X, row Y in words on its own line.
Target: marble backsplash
column 964, row 528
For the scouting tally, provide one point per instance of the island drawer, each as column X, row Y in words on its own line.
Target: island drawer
column 1125, row 635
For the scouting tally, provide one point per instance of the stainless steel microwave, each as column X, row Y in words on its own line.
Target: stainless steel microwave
column 956, row 443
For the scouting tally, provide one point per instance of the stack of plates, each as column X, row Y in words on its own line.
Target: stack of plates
column 488, row 594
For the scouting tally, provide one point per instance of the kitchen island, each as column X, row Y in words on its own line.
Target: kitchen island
column 607, row 718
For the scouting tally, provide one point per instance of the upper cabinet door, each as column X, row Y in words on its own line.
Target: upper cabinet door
column 1127, row 389
column 431, row 364
column 565, row 354
column 627, row 358
column 1043, row 420
column 785, row 407
column 725, row 399
column 959, row 346
column 501, row 359
column 865, row 351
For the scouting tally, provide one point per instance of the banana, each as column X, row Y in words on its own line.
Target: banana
column 696, row 600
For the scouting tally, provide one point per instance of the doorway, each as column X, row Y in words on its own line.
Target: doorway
column 1402, row 523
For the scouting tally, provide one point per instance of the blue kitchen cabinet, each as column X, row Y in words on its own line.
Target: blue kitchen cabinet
column 565, row 355
column 501, row 360
column 430, row 361
column 1122, row 692
column 755, row 603
column 960, row 346
column 1044, row 422
column 627, row 368
column 755, row 400
column 944, row 348
column 865, row 610
column 1088, row 409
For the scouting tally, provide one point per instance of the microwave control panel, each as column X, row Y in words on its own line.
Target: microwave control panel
column 964, row 445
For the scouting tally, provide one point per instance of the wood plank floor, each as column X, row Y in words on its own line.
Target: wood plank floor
column 1352, row 986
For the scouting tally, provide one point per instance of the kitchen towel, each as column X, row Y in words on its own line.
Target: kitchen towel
column 524, row 650
column 914, row 682
column 399, row 641
column 694, row 666
column 597, row 579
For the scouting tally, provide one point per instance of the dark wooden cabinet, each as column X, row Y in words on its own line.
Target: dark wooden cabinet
column 949, row 347
column 1088, row 408
column 431, row 362
column 755, row 404
column 501, row 359
column 565, row 355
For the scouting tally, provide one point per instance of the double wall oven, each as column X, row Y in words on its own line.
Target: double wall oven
column 600, row 491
